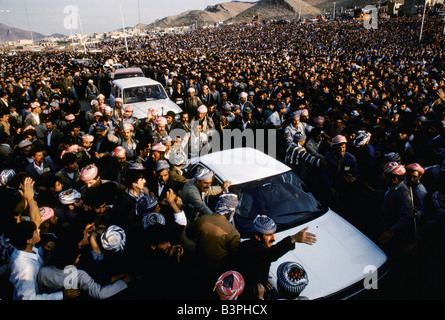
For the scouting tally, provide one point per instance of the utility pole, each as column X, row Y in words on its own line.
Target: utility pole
column 29, row 27
column 123, row 28
column 423, row 19
column 81, row 31
column 72, row 38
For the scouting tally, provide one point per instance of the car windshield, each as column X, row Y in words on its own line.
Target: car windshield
column 281, row 197
column 144, row 93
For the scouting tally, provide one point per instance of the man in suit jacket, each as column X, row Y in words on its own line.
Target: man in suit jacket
column 246, row 121
column 192, row 102
column 205, row 96
column 40, row 164
column 70, row 174
column 34, row 117
column 102, row 146
column 163, row 181
column 4, row 100
column 178, row 159
column 197, row 189
column 172, row 123
column 184, row 123
column 52, row 137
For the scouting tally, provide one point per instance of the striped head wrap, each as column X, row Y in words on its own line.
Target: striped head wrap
column 113, row 239
column 264, row 224
column 229, row 285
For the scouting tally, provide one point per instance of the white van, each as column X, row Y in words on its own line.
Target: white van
column 142, row 93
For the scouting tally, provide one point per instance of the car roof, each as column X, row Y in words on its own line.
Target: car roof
column 241, row 165
column 134, row 82
column 83, row 60
column 127, row 70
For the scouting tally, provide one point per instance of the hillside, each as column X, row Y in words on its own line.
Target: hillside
column 329, row 4
column 278, row 9
column 210, row 15
column 17, row 34
column 238, row 11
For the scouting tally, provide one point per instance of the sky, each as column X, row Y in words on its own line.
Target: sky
column 57, row 16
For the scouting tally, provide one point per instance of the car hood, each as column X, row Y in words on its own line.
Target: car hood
column 162, row 105
column 341, row 257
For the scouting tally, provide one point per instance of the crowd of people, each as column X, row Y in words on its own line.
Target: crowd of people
column 359, row 115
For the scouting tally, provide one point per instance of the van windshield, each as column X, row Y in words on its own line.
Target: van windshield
column 144, row 93
column 123, row 75
column 281, row 197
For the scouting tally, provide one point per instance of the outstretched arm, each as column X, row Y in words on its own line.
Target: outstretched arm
column 27, row 191
column 304, row 237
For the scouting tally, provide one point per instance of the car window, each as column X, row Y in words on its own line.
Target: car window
column 144, row 93
column 191, row 173
column 127, row 75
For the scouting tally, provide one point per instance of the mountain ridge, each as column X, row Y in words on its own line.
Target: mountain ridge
column 211, row 14
column 279, row 9
column 17, row 34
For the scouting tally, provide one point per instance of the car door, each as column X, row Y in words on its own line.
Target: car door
column 210, row 201
column 113, row 93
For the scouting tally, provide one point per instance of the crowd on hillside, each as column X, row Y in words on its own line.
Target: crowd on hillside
column 359, row 115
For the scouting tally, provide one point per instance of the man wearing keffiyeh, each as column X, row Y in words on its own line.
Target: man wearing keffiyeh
column 254, row 256
column 197, row 189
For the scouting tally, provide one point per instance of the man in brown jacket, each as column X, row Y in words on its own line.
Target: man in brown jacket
column 215, row 237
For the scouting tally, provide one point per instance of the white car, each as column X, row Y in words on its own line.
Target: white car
column 343, row 261
column 142, row 93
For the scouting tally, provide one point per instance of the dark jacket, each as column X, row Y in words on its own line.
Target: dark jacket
column 397, row 212
column 253, row 124
column 48, row 166
column 171, row 184
column 253, row 261
column 334, row 176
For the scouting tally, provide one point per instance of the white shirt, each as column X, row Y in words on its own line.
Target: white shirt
column 40, row 169
column 245, row 123
column 24, row 269
column 48, row 138
column 180, row 218
column 36, row 117
column 160, row 188
column 51, row 278
column 194, row 142
column 5, row 102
